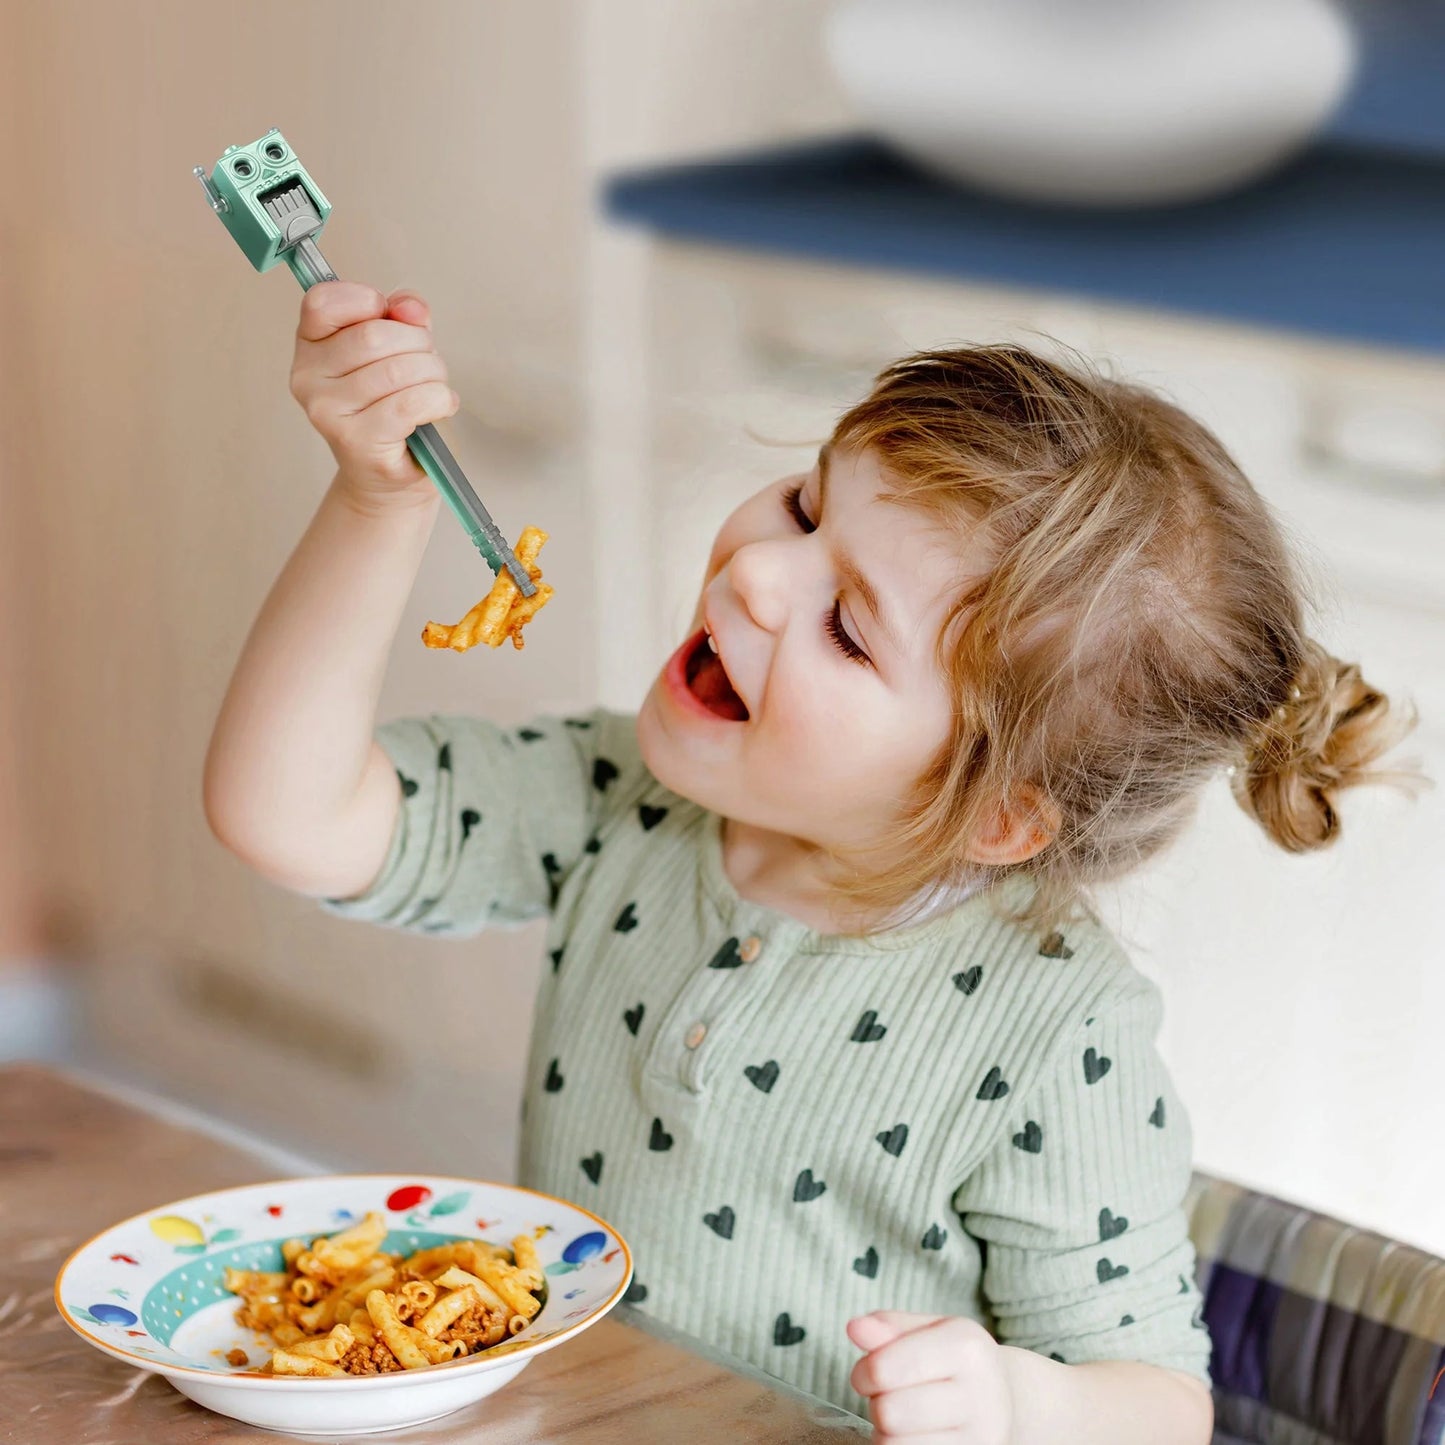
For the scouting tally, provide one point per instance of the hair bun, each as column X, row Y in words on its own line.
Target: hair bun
column 1323, row 738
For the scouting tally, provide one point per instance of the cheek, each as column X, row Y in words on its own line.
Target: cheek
column 825, row 721
column 832, row 728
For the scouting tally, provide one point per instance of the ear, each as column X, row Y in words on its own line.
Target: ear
column 1018, row 829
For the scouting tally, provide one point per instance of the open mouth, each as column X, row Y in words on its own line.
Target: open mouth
column 707, row 681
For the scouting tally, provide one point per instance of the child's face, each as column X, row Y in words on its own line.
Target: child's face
column 824, row 713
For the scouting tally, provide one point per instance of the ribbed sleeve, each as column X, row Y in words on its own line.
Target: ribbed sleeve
column 1088, row 1256
column 492, row 820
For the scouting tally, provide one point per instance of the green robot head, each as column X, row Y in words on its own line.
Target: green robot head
column 248, row 189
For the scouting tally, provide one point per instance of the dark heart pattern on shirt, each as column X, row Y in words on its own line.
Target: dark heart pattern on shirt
column 408, row 785
column 530, row 735
column 592, row 1167
column 1107, row 1271
column 632, row 1017
column 594, row 844
column 580, row 723
column 1055, row 947
column 1031, row 1140
column 603, row 772
column 1111, row 1225
column 650, row 816
column 968, row 980
column 626, row 920
column 1157, row 1117
column 894, row 1139
column 722, row 1222
column 556, row 959
column 470, row 819
column 554, row 1079
column 1055, row 1355
column 659, row 1139
column 444, row 758
column 934, row 1238
column 785, row 1332
column 636, row 1293
column 763, row 1076
column 1096, row 1065
column 727, row 956
column 868, row 1030
column 993, row 1086
column 553, row 870
column 867, row 1264
column 1127, row 1320
column 805, row 1187
column 1183, row 1285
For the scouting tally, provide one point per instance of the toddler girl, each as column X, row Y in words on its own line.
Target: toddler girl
column 825, row 1028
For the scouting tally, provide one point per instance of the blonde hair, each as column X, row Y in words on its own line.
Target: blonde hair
column 1138, row 629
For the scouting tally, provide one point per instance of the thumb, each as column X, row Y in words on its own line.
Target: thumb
column 873, row 1331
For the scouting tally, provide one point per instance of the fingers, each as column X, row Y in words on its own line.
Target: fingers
column 356, row 347
column 409, row 306
column 942, row 1406
column 329, row 306
column 872, row 1331
column 345, row 325
column 359, row 345
column 356, row 390
column 919, row 1350
column 393, row 418
column 367, row 374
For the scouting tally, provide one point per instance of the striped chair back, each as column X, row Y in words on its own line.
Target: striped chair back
column 1323, row 1333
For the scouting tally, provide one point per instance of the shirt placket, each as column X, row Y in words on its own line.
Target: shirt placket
column 715, row 1000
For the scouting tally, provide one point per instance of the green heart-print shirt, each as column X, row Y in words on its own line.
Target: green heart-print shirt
column 792, row 1128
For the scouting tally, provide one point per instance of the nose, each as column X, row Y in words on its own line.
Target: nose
column 761, row 576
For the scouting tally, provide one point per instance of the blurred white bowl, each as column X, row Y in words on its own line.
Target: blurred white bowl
column 1094, row 102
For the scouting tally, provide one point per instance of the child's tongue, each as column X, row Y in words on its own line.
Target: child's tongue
column 710, row 685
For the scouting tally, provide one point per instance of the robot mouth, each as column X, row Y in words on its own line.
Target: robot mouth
column 290, row 206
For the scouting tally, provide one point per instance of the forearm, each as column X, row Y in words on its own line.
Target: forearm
column 1109, row 1402
column 293, row 740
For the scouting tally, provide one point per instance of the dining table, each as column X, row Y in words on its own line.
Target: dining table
column 78, row 1153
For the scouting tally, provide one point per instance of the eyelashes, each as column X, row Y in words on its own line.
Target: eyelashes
column 794, row 508
column 833, row 626
column 832, row 620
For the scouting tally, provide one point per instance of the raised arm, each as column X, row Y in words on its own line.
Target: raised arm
column 294, row 783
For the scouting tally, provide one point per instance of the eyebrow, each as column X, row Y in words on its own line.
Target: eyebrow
column 852, row 574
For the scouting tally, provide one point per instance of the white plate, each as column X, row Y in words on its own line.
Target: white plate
column 150, row 1291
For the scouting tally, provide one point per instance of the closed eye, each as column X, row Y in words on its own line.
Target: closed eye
column 832, row 620
column 793, row 506
column 833, row 625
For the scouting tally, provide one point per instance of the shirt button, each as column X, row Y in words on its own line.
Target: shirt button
column 695, row 1035
column 750, row 949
